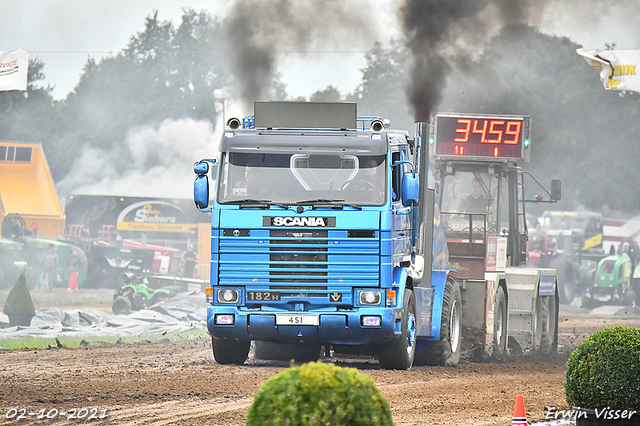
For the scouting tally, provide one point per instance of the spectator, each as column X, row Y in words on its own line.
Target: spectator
column 49, row 267
column 189, row 261
column 74, row 267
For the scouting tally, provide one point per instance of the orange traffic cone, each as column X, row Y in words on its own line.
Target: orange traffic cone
column 519, row 415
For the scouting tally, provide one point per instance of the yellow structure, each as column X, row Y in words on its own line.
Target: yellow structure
column 26, row 188
column 204, row 250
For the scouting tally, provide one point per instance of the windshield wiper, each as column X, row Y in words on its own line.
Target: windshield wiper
column 246, row 202
column 319, row 200
column 330, row 202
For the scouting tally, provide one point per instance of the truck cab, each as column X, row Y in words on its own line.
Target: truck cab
column 315, row 238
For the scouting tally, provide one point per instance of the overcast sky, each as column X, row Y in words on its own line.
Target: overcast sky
column 64, row 33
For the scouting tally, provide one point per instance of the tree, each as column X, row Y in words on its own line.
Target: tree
column 382, row 91
column 330, row 94
column 29, row 115
column 163, row 73
column 581, row 134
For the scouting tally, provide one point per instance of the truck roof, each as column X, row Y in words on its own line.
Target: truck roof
column 361, row 142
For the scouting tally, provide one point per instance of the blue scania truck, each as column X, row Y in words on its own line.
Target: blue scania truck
column 326, row 232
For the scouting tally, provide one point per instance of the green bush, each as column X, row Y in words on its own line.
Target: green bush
column 604, row 371
column 19, row 303
column 317, row 394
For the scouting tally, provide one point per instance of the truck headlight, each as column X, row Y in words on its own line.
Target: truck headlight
column 370, row 297
column 228, row 295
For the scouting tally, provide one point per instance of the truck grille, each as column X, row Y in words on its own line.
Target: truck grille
column 295, row 255
column 299, row 258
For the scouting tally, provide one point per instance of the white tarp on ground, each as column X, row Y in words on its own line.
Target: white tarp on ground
column 13, row 70
column 618, row 68
column 182, row 313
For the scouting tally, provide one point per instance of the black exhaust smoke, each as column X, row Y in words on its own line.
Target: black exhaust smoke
column 259, row 32
column 441, row 32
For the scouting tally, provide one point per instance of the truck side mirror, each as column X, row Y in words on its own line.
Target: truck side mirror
column 201, row 185
column 410, row 189
column 201, row 168
column 556, row 190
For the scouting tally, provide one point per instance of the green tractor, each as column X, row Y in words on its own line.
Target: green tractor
column 136, row 293
column 571, row 243
column 617, row 278
column 20, row 252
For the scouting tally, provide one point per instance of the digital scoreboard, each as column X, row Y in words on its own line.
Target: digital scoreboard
column 499, row 137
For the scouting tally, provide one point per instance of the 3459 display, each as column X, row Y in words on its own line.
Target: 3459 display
column 482, row 136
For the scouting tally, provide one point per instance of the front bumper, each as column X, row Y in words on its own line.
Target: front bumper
column 604, row 294
column 335, row 327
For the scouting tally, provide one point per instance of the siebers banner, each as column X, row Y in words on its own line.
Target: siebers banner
column 13, row 70
column 618, row 68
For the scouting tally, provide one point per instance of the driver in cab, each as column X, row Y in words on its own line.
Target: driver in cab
column 368, row 180
column 476, row 202
column 252, row 185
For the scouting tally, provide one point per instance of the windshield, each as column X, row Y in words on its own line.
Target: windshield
column 302, row 177
column 477, row 193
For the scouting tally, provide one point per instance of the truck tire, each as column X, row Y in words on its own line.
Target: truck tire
column 589, row 303
column 629, row 297
column 447, row 350
column 500, row 324
column 121, row 305
column 157, row 298
column 230, row 351
column 545, row 327
column 286, row 352
column 567, row 285
column 399, row 354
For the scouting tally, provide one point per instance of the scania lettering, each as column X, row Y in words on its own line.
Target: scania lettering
column 326, row 232
column 299, row 221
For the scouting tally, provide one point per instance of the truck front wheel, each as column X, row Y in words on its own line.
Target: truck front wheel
column 230, row 351
column 446, row 351
column 400, row 353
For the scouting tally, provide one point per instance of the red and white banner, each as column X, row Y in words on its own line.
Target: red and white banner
column 618, row 68
column 13, row 70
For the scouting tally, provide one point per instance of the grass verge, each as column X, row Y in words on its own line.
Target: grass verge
column 34, row 342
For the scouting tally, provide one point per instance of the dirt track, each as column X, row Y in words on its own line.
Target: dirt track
column 179, row 383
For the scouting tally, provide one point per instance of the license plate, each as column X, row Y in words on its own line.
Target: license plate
column 282, row 319
column 263, row 296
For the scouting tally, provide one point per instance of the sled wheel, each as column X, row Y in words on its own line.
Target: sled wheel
column 500, row 324
column 230, row 351
column 400, row 353
column 545, row 328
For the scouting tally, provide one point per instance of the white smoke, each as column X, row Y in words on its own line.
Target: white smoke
column 159, row 162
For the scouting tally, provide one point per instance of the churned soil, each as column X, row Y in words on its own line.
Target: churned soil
column 179, row 383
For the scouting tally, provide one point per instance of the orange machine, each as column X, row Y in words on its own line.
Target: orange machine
column 26, row 188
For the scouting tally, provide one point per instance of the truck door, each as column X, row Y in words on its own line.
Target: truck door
column 402, row 229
